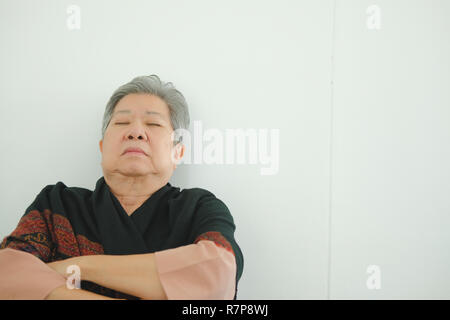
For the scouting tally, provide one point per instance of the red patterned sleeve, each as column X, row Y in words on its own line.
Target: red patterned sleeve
column 218, row 239
column 32, row 235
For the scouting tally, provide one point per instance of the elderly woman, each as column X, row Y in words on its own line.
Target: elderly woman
column 135, row 236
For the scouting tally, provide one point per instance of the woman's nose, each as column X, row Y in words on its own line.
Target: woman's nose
column 137, row 131
column 131, row 137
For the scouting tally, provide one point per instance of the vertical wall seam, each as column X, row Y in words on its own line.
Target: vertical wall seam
column 333, row 27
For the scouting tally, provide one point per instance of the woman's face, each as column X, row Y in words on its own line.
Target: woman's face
column 140, row 121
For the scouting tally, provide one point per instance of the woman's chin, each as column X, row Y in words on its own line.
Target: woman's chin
column 136, row 170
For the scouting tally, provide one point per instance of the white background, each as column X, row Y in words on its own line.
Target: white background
column 364, row 150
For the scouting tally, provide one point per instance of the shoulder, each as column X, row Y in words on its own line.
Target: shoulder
column 59, row 191
column 60, row 188
column 196, row 192
column 202, row 202
column 200, row 196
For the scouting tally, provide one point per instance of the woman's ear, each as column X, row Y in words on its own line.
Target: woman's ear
column 101, row 146
column 177, row 154
column 182, row 147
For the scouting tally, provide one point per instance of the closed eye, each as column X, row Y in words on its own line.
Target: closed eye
column 152, row 124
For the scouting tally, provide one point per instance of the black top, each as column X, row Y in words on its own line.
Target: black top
column 64, row 222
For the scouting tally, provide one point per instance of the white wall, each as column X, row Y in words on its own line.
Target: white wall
column 363, row 115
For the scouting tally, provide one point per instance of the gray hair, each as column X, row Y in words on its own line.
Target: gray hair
column 178, row 108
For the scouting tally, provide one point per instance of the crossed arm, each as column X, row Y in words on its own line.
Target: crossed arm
column 196, row 271
column 135, row 274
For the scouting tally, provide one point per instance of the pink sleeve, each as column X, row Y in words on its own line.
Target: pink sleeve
column 201, row 271
column 25, row 277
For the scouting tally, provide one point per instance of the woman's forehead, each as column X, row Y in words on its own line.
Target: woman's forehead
column 142, row 104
